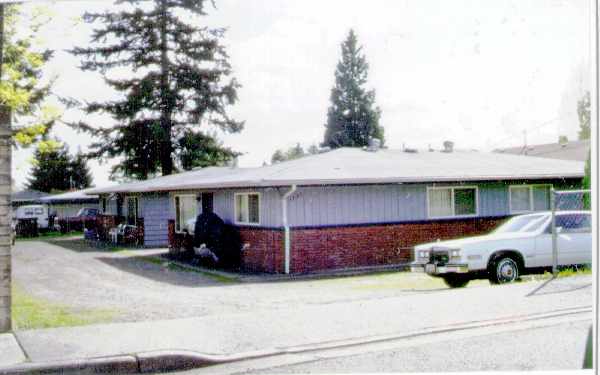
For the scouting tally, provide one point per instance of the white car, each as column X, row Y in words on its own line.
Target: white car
column 521, row 245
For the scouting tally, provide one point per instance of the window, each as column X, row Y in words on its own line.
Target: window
column 247, row 208
column 527, row 198
column 186, row 209
column 452, row 201
column 132, row 210
column 103, row 205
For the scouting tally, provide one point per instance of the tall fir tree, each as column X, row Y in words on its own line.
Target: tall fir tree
column 55, row 170
column 352, row 117
column 179, row 83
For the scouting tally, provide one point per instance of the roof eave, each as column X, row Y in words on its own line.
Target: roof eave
column 341, row 181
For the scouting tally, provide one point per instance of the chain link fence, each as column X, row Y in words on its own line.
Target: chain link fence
column 571, row 227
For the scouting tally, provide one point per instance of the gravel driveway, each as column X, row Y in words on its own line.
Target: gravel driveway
column 68, row 272
column 65, row 272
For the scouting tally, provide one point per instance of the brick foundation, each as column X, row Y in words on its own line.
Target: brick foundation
column 316, row 249
column 372, row 245
column 263, row 250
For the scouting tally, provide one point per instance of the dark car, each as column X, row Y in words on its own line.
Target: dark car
column 85, row 218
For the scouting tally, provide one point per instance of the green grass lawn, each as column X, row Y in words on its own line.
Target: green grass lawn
column 50, row 235
column 176, row 267
column 30, row 312
column 422, row 282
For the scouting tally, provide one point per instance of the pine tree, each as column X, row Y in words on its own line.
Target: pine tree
column 80, row 172
column 180, row 80
column 292, row 153
column 56, row 170
column 278, row 156
column 201, row 150
column 352, row 118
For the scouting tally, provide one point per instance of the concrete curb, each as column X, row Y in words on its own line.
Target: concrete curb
column 118, row 364
column 180, row 360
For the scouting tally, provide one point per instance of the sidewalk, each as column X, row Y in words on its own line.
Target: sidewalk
column 268, row 331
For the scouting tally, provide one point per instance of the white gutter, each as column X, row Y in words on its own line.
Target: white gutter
column 286, row 227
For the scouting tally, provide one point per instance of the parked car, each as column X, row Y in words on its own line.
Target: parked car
column 521, row 245
column 85, row 217
column 39, row 212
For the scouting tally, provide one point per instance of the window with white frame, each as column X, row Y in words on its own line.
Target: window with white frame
column 455, row 201
column 528, row 198
column 186, row 209
column 247, row 208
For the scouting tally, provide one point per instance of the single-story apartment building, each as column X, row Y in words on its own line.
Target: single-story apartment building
column 68, row 204
column 25, row 197
column 345, row 208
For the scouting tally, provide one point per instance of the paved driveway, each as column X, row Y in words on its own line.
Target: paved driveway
column 63, row 271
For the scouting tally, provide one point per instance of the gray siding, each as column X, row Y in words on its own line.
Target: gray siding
column 341, row 205
column 329, row 205
column 154, row 208
column 111, row 205
column 223, row 205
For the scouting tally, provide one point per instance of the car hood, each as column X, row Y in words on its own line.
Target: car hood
column 463, row 242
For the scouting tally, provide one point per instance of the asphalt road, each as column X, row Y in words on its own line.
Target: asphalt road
column 550, row 345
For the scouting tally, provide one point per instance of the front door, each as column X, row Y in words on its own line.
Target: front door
column 207, row 202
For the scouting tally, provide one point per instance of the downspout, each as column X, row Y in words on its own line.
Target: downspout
column 286, row 228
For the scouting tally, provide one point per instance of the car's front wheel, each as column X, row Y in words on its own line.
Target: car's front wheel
column 456, row 280
column 503, row 270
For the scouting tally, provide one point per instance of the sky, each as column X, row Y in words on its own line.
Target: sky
column 483, row 74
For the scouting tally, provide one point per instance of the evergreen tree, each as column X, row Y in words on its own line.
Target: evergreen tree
column 583, row 112
column 55, row 170
column 292, row 153
column 278, row 156
column 201, row 150
column 313, row 149
column 80, row 172
column 180, row 79
column 352, row 118
column 295, row 152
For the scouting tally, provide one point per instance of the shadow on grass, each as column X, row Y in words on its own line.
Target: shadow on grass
column 80, row 245
column 553, row 286
column 161, row 270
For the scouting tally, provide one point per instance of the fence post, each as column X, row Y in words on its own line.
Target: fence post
column 554, row 234
column 5, row 219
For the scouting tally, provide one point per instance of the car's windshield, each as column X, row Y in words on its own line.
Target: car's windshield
column 82, row 212
column 520, row 224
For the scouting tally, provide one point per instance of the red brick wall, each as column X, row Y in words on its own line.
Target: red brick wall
column 344, row 247
column 263, row 250
column 370, row 245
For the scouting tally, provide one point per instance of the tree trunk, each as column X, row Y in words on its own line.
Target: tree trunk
column 5, row 204
column 166, row 147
